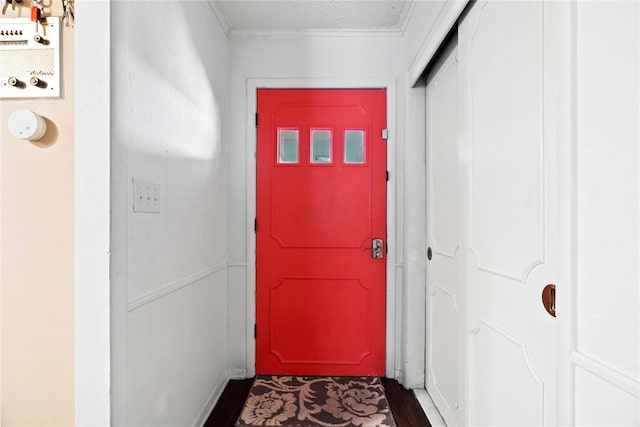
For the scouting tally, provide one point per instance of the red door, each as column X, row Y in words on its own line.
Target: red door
column 321, row 202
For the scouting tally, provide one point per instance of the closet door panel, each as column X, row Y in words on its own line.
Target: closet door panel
column 442, row 349
column 506, row 119
column 508, row 229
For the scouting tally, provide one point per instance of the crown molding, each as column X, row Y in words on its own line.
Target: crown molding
column 407, row 13
column 222, row 19
column 397, row 31
column 383, row 32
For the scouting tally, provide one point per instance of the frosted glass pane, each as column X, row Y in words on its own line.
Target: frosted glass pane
column 320, row 146
column 288, row 146
column 354, row 146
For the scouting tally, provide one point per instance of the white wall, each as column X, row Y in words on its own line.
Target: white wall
column 412, row 309
column 606, row 352
column 169, row 270
column 425, row 28
column 302, row 57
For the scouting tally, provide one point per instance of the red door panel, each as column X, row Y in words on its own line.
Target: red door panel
column 321, row 199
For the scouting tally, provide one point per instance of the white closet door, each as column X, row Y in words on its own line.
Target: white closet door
column 506, row 51
column 443, row 313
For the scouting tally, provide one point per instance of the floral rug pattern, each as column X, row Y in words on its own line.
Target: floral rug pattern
column 290, row 401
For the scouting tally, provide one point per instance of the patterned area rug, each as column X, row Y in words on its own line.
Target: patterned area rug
column 316, row 402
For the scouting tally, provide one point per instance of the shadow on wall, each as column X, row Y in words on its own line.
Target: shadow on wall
column 50, row 137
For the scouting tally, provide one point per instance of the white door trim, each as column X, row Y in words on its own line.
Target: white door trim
column 566, row 125
column 92, row 145
column 447, row 19
column 252, row 87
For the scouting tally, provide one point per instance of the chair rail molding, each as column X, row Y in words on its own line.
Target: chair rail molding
column 137, row 302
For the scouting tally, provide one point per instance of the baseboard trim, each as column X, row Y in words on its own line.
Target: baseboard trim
column 429, row 408
column 238, row 374
column 210, row 403
column 145, row 299
column 238, row 265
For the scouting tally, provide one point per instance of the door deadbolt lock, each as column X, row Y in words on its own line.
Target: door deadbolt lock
column 377, row 248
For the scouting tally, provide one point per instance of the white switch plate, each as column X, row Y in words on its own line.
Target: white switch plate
column 146, row 196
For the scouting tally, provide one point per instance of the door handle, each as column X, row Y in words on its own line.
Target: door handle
column 377, row 248
column 549, row 299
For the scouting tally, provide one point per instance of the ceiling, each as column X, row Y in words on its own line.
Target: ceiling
column 304, row 15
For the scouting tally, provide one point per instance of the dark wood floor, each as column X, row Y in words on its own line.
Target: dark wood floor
column 404, row 406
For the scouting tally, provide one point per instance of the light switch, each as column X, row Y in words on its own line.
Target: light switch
column 146, row 196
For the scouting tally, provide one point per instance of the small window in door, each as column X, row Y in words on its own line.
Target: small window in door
column 354, row 146
column 288, row 145
column 320, row 146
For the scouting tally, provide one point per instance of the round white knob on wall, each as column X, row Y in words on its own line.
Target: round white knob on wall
column 26, row 124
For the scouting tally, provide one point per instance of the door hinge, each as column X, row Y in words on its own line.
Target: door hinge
column 387, row 176
column 256, row 119
column 385, row 133
column 255, row 225
column 255, row 331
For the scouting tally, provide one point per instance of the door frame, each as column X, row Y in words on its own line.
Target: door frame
column 393, row 267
